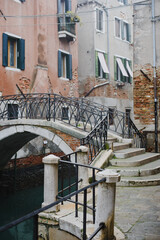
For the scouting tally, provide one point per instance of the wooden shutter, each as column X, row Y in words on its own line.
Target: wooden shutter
column 59, row 64
column 130, row 64
column 122, row 29
column 68, row 6
column 58, row 6
column 106, row 58
column 22, row 54
column 128, row 32
column 69, row 66
column 96, row 64
column 115, row 69
column 5, row 50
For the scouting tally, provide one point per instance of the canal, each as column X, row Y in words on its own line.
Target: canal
column 22, row 194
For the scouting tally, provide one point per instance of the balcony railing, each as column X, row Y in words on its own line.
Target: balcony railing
column 66, row 25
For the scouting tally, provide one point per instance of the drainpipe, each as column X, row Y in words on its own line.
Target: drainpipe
column 154, row 76
column 108, row 52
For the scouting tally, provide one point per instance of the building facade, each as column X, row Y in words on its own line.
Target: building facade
column 106, row 53
column 147, row 67
column 39, row 47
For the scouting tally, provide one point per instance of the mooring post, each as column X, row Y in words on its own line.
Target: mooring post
column 106, row 203
column 50, row 181
column 82, row 158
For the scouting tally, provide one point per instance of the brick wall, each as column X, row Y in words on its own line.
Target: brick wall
column 143, row 94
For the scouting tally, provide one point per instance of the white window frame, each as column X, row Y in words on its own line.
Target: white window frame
column 97, row 21
column 125, row 29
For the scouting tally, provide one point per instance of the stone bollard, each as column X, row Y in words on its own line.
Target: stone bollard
column 82, row 158
column 50, row 181
column 106, row 203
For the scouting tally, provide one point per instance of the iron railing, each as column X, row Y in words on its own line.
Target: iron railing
column 65, row 24
column 68, row 197
column 50, row 107
column 81, row 113
column 96, row 139
column 65, row 165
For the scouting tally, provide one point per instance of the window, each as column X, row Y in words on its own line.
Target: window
column 64, row 65
column 13, row 52
column 99, row 20
column 64, row 6
column 65, row 113
column 12, row 111
column 101, row 65
column 111, row 116
column 122, row 30
column 128, row 113
column 123, row 1
column 123, row 72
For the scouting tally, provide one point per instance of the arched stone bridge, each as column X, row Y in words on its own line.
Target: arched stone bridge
column 14, row 134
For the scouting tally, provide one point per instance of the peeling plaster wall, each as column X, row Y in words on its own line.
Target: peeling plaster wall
column 143, row 60
column 41, row 49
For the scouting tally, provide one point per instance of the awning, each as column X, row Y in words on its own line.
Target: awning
column 120, row 64
column 103, row 62
column 129, row 70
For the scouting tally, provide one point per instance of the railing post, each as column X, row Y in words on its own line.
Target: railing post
column 82, row 158
column 50, row 181
column 106, row 203
column 49, row 107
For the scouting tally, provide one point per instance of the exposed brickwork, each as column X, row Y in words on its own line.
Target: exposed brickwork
column 144, row 95
column 71, row 141
column 111, row 90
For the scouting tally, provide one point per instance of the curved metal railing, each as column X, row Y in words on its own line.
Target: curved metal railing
column 81, row 113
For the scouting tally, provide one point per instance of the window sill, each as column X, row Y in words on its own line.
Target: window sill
column 13, row 69
column 64, row 79
column 99, row 31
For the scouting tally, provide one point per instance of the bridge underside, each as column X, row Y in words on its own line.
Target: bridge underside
column 10, row 145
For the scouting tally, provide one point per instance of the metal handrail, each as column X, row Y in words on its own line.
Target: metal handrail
column 80, row 113
column 36, row 212
column 97, row 138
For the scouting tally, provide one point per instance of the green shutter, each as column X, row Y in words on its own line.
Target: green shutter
column 124, row 79
column 96, row 64
column 115, row 69
column 130, row 64
column 59, row 63
column 106, row 58
column 69, row 66
column 5, row 50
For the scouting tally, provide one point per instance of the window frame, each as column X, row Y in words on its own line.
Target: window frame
column 118, row 76
column 98, row 23
column 124, row 30
column 67, row 65
column 19, row 51
column 98, row 68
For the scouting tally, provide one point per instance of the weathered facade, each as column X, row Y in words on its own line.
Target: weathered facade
column 39, row 47
column 147, row 69
column 106, row 53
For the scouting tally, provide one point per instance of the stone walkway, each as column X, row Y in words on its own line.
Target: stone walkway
column 137, row 212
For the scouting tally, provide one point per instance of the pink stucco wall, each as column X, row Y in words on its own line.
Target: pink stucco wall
column 38, row 27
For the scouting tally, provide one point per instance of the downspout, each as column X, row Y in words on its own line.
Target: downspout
column 108, row 52
column 154, row 76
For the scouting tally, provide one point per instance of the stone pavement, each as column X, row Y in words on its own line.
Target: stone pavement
column 137, row 212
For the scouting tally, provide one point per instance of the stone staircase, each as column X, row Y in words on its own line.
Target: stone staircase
column 136, row 167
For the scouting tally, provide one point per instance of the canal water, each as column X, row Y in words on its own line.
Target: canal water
column 16, row 202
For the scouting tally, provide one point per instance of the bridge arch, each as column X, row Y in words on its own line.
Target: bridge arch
column 15, row 137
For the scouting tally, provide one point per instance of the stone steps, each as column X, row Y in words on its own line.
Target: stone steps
column 135, row 161
column 136, row 167
column 128, row 152
column 151, row 180
column 143, row 170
